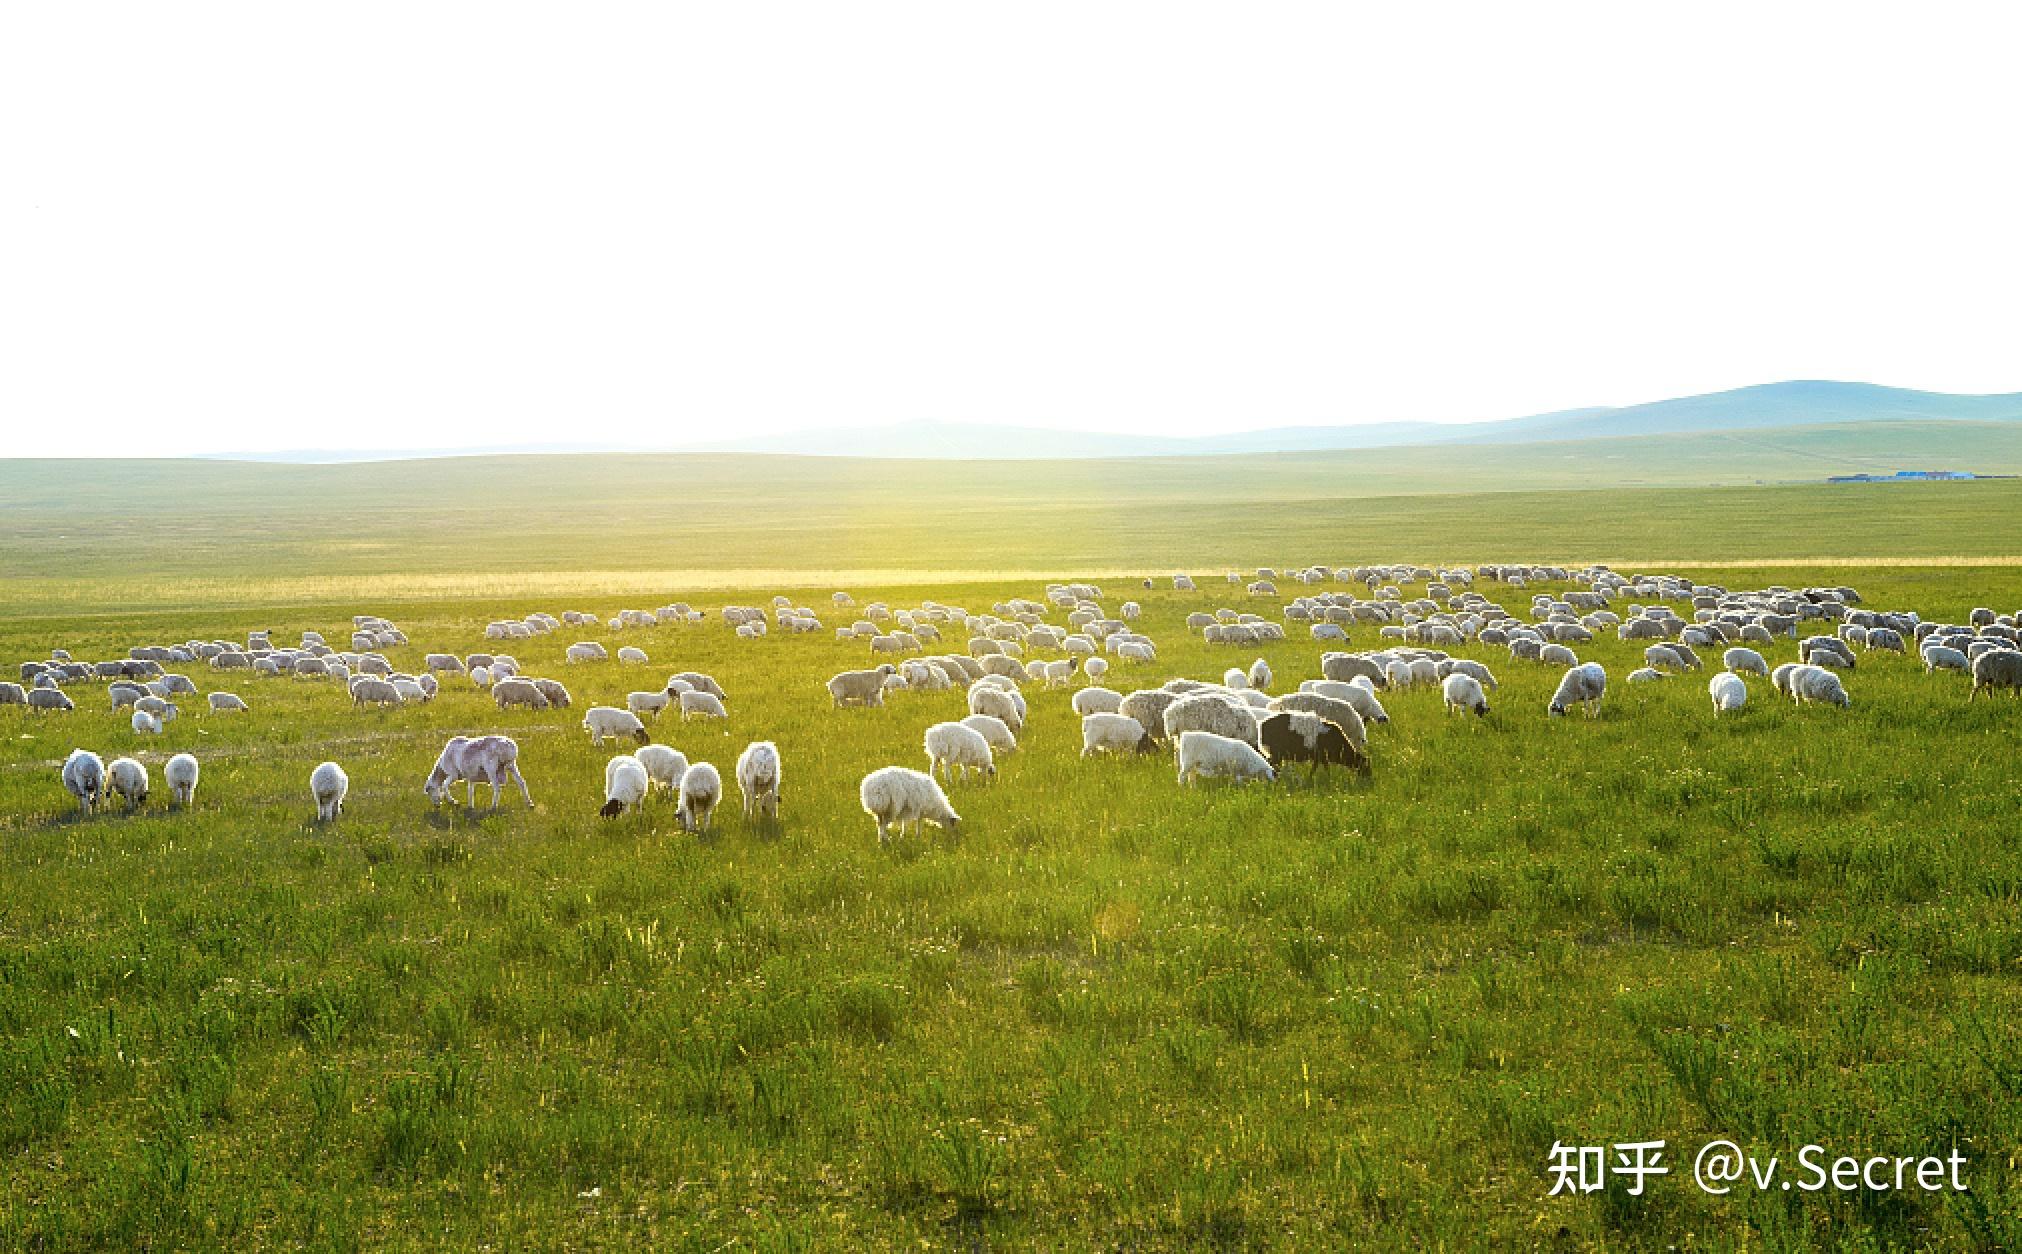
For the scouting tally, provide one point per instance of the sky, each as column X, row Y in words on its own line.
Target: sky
column 269, row 226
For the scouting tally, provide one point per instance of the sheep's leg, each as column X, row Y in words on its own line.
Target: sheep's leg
column 494, row 789
column 521, row 780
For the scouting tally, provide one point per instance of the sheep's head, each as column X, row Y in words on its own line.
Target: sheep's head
column 612, row 809
column 640, row 736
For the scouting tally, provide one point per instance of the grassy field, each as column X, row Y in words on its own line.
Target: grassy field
column 1107, row 1012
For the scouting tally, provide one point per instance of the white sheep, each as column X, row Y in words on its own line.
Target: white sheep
column 1728, row 691
column 84, row 778
column 997, row 703
column 1096, row 701
column 1748, row 660
column 1463, row 693
column 956, row 746
column 995, row 732
column 512, row 691
column 180, row 774
column 895, row 796
column 664, row 766
column 701, row 789
column 145, row 723
column 1220, row 713
column 1815, row 685
column 1106, row 731
column 625, row 785
column 702, row 705
column 1582, row 685
column 128, row 778
column 328, row 784
column 1938, row 657
column 1093, row 669
column 758, row 779
column 1558, row 655
column 1260, row 675
column 630, row 656
column 605, row 720
column 1235, row 677
column 584, row 651
column 1206, row 755
column 865, row 688
column 474, row 758
column 1645, row 675
column 648, row 703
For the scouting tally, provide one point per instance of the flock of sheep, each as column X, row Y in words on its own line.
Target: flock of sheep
column 1234, row 728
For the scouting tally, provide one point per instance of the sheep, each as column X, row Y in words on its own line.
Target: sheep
column 1334, row 710
column 128, row 778
column 1474, row 670
column 84, row 778
column 474, row 758
column 1558, row 655
column 1094, row 669
column 13, row 694
column 605, row 720
column 1745, row 660
column 1058, row 674
column 1342, row 667
column 44, row 699
column 410, row 690
column 625, row 785
column 956, row 746
column 1096, row 701
column 584, row 651
column 1204, row 754
column 1815, row 685
column 1362, row 697
column 1728, row 690
column 449, row 662
column 180, row 774
column 515, row 691
column 649, row 703
column 369, row 691
column 1996, row 668
column 866, row 688
column 895, row 796
column 1297, row 736
column 758, row 779
column 123, row 695
column 1235, row 677
column 558, row 696
column 1938, row 657
column 701, row 789
column 146, row 724
column 480, row 677
column 664, row 766
column 1645, row 674
column 1582, row 685
column 1106, row 731
column 701, row 705
column 225, row 702
column 998, row 704
column 328, row 784
column 1136, row 651
column 629, row 656
column 1663, row 657
column 1463, row 692
column 995, row 732
column 1211, row 712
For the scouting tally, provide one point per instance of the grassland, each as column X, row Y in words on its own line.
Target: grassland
column 1108, row 1012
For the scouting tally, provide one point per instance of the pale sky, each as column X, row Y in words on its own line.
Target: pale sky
column 268, row 226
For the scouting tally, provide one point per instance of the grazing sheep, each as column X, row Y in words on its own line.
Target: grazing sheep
column 1235, row 677
column 1342, row 667
column 998, row 704
column 1583, row 685
column 1148, row 707
column 629, row 656
column 1996, row 668
column 1728, row 690
column 1094, row 669
column 1096, row 701
column 866, row 688
column 43, row 699
column 1136, row 651
column 1558, row 655
column 328, row 784
column 128, row 778
column 1260, row 675
column 1296, row 736
column 664, row 766
column 474, row 758
column 1816, row 685
column 449, row 662
column 180, row 774
column 758, row 779
column 1745, row 660
column 995, row 732
column 1342, row 714
column 605, row 720
column 558, row 696
column 225, row 702
column 1106, row 731
column 584, row 651
column 146, row 724
column 13, row 694
column 1938, row 657
column 1362, row 698
column 366, row 690
column 1664, row 657
column 957, row 746
column 84, row 778
column 702, row 705
column 625, row 785
column 649, row 703
column 1463, row 693
column 516, row 691
column 1211, row 712
column 1466, row 666
column 480, row 677
column 895, row 796
column 1204, row 754
column 701, row 789
column 1645, row 675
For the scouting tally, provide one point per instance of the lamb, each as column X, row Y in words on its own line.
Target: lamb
column 1996, row 668
column 664, row 766
column 645, row 703
column 955, row 746
column 702, row 705
column 895, row 796
column 1583, row 686
column 1096, row 701
column 625, row 785
column 146, row 724
column 758, row 779
column 605, row 720
column 180, row 774
column 474, row 758
column 84, row 778
column 1110, row 732
column 1728, row 690
column 701, row 789
column 1464, row 692
column 129, row 779
column 328, row 784
column 998, row 704
column 1211, row 712
column 225, row 702
column 515, row 691
column 1745, row 660
column 1815, row 685
column 1204, row 754
column 41, row 699
column 865, row 688
column 995, row 732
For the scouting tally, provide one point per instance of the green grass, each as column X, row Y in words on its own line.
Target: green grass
column 1108, row 1012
